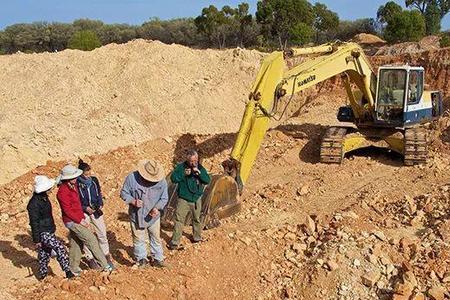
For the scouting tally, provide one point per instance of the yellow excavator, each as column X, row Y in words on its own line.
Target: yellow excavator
column 387, row 110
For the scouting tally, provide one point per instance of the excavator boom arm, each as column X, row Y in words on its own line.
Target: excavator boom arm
column 274, row 81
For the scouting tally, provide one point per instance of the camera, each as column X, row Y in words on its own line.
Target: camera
column 195, row 172
column 97, row 211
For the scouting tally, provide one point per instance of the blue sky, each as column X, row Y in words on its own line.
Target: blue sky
column 138, row 11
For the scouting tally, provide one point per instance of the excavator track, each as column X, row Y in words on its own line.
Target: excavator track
column 415, row 146
column 331, row 149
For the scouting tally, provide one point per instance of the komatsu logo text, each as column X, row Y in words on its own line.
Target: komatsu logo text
column 307, row 80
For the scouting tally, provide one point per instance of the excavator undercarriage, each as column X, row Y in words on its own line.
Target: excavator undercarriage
column 411, row 143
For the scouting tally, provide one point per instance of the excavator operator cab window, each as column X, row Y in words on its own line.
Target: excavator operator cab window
column 415, row 86
column 391, row 95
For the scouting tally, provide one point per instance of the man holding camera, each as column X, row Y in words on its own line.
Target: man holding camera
column 145, row 192
column 191, row 178
column 92, row 203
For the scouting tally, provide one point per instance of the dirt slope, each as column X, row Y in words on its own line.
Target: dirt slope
column 427, row 43
column 435, row 62
column 55, row 106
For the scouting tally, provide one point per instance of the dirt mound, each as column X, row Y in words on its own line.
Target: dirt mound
column 55, row 106
column 427, row 43
column 365, row 39
column 435, row 62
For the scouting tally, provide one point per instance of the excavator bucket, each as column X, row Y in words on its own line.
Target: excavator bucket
column 220, row 200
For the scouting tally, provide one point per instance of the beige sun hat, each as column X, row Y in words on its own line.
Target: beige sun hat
column 43, row 183
column 69, row 172
column 151, row 170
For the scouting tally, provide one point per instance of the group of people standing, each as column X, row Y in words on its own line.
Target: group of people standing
column 145, row 191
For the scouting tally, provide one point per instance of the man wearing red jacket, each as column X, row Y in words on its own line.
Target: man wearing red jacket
column 74, row 220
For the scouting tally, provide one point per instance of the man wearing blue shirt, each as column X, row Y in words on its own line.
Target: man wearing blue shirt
column 145, row 192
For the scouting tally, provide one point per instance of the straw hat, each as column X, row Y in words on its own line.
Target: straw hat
column 151, row 170
column 43, row 184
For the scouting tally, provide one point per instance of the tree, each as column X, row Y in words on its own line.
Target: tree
column 87, row 24
column 401, row 25
column 421, row 5
column 182, row 31
column 433, row 11
column 244, row 20
column 325, row 20
column 60, row 34
column 386, row 12
column 33, row 37
column 409, row 25
column 432, row 18
column 213, row 23
column 86, row 40
column 179, row 31
column 348, row 29
column 301, row 34
column 278, row 18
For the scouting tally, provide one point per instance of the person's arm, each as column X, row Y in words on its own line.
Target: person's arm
column 178, row 174
column 66, row 207
column 33, row 213
column 125, row 193
column 99, row 189
column 162, row 202
column 204, row 176
column 84, row 203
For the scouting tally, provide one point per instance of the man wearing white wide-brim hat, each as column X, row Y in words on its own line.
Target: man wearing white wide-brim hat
column 74, row 219
column 145, row 192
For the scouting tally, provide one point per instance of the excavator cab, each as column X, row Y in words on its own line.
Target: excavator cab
column 401, row 99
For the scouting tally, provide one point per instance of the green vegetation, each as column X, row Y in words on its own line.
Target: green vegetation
column 432, row 10
column 86, row 40
column 401, row 25
column 445, row 41
column 276, row 24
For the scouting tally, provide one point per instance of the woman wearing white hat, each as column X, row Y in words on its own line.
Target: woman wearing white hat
column 43, row 228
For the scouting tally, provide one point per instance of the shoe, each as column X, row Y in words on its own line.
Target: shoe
column 142, row 263
column 76, row 273
column 70, row 275
column 196, row 241
column 93, row 265
column 109, row 260
column 159, row 264
column 42, row 277
column 171, row 246
column 108, row 270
